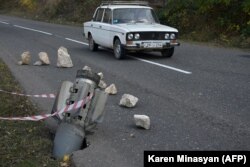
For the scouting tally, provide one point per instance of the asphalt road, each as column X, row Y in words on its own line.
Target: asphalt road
column 197, row 100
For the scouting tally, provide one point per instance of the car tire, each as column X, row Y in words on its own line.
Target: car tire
column 167, row 52
column 92, row 45
column 119, row 51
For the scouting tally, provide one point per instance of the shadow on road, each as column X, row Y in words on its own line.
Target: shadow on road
column 147, row 55
column 245, row 56
column 108, row 53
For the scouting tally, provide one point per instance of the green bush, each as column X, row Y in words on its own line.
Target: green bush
column 229, row 17
column 210, row 19
column 73, row 11
column 203, row 20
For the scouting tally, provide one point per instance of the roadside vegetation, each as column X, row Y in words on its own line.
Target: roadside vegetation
column 22, row 143
column 222, row 21
column 225, row 22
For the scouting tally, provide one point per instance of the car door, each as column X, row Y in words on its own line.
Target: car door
column 96, row 26
column 105, row 27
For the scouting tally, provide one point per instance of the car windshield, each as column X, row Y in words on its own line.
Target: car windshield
column 134, row 15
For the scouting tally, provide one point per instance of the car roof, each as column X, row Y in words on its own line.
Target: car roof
column 124, row 6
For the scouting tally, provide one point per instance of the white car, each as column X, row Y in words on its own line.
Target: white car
column 129, row 26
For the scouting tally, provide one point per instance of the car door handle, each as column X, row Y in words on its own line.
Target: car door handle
column 91, row 25
column 100, row 26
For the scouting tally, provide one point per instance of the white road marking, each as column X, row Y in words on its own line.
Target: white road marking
column 30, row 29
column 3, row 22
column 161, row 65
column 83, row 43
column 58, row 36
column 72, row 40
column 143, row 60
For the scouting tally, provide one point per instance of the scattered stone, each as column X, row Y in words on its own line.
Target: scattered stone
column 101, row 75
column 87, row 68
column 25, row 58
column 132, row 135
column 38, row 63
column 44, row 58
column 66, row 158
column 64, row 59
column 128, row 100
column 64, row 164
column 142, row 121
column 102, row 84
column 112, row 90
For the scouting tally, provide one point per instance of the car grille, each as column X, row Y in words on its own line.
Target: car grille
column 152, row 35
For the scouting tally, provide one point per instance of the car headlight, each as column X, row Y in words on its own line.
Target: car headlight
column 172, row 36
column 130, row 36
column 167, row 36
column 137, row 36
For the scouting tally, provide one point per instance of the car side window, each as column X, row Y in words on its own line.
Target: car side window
column 99, row 14
column 107, row 16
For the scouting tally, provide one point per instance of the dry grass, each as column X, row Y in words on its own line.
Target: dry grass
column 22, row 143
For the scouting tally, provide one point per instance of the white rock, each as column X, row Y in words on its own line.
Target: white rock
column 63, row 59
column 142, row 121
column 102, row 84
column 38, row 63
column 112, row 90
column 20, row 63
column 128, row 100
column 132, row 135
column 87, row 68
column 26, row 57
column 101, row 75
column 44, row 58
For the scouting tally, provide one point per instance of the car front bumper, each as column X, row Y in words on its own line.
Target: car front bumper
column 150, row 45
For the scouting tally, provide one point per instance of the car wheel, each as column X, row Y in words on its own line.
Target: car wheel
column 119, row 51
column 167, row 52
column 92, row 45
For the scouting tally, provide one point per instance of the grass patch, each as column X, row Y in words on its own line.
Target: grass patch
column 22, row 143
column 224, row 41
